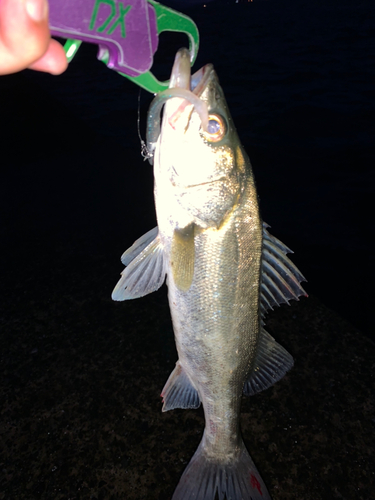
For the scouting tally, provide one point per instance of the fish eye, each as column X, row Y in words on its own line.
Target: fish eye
column 216, row 128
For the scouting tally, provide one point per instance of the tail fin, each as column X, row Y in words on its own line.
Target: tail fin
column 205, row 477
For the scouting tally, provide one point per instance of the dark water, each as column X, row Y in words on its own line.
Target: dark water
column 299, row 78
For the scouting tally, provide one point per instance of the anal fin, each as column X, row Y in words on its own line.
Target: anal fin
column 179, row 392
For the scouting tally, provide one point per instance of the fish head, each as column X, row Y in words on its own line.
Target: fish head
column 198, row 152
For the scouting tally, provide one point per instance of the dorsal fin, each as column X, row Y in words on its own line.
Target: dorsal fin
column 271, row 363
column 280, row 277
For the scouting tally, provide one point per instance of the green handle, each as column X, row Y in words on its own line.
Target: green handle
column 168, row 20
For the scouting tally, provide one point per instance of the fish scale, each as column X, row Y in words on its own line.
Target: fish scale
column 216, row 346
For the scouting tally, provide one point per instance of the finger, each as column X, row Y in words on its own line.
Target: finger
column 53, row 61
column 24, row 33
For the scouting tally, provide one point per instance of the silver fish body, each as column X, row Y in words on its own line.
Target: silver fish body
column 224, row 270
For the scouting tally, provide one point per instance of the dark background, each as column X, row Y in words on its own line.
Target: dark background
column 80, row 374
column 299, row 80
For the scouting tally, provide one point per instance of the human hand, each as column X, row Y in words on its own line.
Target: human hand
column 25, row 40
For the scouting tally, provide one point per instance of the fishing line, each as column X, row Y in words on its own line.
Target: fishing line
column 146, row 154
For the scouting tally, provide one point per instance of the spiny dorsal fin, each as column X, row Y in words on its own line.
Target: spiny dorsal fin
column 179, row 392
column 271, row 363
column 183, row 256
column 145, row 271
column 280, row 277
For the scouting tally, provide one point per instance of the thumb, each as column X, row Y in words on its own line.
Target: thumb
column 24, row 33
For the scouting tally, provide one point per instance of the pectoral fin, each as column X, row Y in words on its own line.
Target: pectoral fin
column 182, row 257
column 271, row 363
column 145, row 271
column 139, row 245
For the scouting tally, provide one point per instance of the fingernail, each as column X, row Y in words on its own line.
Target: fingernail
column 37, row 9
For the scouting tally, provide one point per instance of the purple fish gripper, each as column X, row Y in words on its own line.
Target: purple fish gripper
column 125, row 30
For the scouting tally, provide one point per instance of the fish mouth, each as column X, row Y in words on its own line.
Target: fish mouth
column 184, row 85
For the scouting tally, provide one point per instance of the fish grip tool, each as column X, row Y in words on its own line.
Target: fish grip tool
column 126, row 32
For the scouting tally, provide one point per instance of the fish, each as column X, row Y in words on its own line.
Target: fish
column 224, row 271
